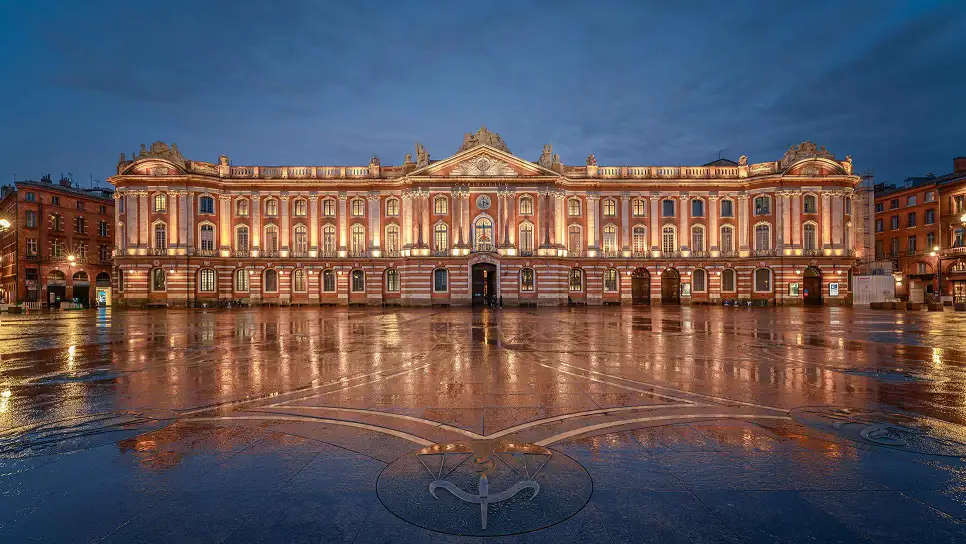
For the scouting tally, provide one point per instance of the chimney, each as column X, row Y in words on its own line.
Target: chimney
column 959, row 165
column 64, row 182
column 5, row 190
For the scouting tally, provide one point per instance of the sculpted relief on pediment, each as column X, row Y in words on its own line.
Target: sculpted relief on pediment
column 483, row 166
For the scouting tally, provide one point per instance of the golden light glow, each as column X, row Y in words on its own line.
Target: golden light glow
column 4, row 224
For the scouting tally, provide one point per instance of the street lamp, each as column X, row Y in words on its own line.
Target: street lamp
column 4, row 225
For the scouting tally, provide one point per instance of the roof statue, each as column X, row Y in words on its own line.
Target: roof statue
column 847, row 164
column 743, row 160
column 422, row 156
column 546, row 157
column 804, row 150
column 160, row 150
column 223, row 160
column 483, row 137
column 374, row 161
column 591, row 160
column 408, row 159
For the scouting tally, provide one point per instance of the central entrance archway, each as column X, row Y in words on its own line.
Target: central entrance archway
column 670, row 286
column 812, row 286
column 484, row 283
column 641, row 286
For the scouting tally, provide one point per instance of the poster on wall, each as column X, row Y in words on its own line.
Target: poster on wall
column 833, row 289
column 793, row 289
column 685, row 289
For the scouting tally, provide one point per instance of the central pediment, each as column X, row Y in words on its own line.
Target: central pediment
column 483, row 165
column 483, row 161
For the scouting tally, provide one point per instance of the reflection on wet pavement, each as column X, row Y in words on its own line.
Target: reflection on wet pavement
column 694, row 424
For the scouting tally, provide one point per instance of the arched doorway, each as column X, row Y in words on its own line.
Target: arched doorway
column 82, row 288
column 484, row 283
column 56, row 288
column 812, row 286
column 670, row 286
column 641, row 286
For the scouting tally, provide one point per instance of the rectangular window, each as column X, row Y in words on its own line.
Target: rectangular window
column 640, row 207
column 930, row 217
column 879, row 252
column 358, row 207
column 879, row 207
column 697, row 208
column 930, row 240
column 102, row 228
column 55, row 200
column 31, row 219
column 727, row 208
column 911, row 220
column 911, row 200
column 80, row 205
column 392, row 280
column 206, row 205
column 667, row 208
column 930, row 196
column 894, row 222
column 102, row 209
column 32, row 247
column 610, row 280
column 31, row 197
column 526, row 280
column 879, row 225
column 894, row 203
column 911, row 249
column 894, row 247
column 328, row 208
column 328, row 281
column 762, row 205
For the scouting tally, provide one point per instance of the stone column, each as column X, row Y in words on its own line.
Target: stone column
column 286, row 227
column 144, row 216
column 593, row 209
column 561, row 220
column 407, row 219
column 513, row 215
column 425, row 236
column 173, row 219
column 714, row 209
column 465, row 215
column 374, row 228
column 547, row 217
column 256, row 231
column 133, row 225
column 343, row 223
column 182, row 217
column 224, row 224
column 838, row 219
column 625, row 222
column 826, row 219
column 796, row 220
column 684, row 233
column 191, row 226
column 743, row 222
column 780, row 221
column 457, row 221
column 787, row 214
column 314, row 225
column 655, row 211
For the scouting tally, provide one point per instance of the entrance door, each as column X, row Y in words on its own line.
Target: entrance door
column 484, row 283
column 812, row 286
column 670, row 287
column 959, row 291
column 641, row 286
column 56, row 294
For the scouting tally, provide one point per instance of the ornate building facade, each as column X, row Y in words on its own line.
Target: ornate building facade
column 484, row 226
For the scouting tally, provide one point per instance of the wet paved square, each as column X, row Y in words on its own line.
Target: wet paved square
column 315, row 425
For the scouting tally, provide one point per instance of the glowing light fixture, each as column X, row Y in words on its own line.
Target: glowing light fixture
column 4, row 224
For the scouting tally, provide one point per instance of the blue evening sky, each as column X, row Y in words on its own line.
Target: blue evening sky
column 317, row 82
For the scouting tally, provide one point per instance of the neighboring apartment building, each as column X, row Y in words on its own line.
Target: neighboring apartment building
column 952, row 232
column 484, row 225
column 59, row 244
column 907, row 233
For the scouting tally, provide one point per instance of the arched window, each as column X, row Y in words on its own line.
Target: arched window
column 728, row 280
column 440, row 205
column 727, row 239
column 639, row 207
column 358, row 207
column 811, row 204
column 762, row 237
column 762, row 280
column 440, row 280
column 241, row 280
column 206, row 280
column 328, row 207
column 328, row 281
column 639, row 240
column 808, row 237
column 271, row 281
column 358, row 242
column 526, row 205
column 358, row 281
column 699, row 281
column 271, row 238
column 158, row 280
column 392, row 240
column 241, row 207
column 392, row 280
column 301, row 240
column 298, row 280
column 441, row 238
column 206, row 204
column 300, row 208
column 484, row 234
column 573, row 207
column 611, row 277
column 526, row 238
column 697, row 238
column 574, row 240
column 328, row 241
column 668, row 241
column 271, row 207
column 207, row 237
column 610, row 240
column 697, row 208
column 160, row 202
column 762, row 205
column 392, row 207
column 610, row 207
column 576, row 280
column 241, row 238
column 160, row 236
column 526, row 280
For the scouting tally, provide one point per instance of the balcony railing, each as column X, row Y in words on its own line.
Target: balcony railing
column 328, row 253
column 206, row 252
column 764, row 253
column 670, row 254
column 812, row 252
column 641, row 254
column 157, row 251
column 356, row 253
column 299, row 254
column 526, row 252
column 728, row 254
column 609, row 253
column 272, row 254
column 439, row 253
column 483, row 247
column 241, row 253
column 700, row 254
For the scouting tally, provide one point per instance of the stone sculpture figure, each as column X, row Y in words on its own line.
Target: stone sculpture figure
column 408, row 159
column 591, row 160
column 374, row 161
column 546, row 158
column 847, row 164
column 743, row 160
column 223, row 160
column 422, row 156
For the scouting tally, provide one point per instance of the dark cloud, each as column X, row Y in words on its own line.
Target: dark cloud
column 334, row 82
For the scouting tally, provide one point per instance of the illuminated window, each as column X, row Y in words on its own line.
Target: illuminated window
column 610, row 207
column 610, row 280
column 762, row 237
column 328, row 207
column 526, row 279
column 808, row 237
column 668, row 239
column 526, row 205
column 697, row 238
column 610, row 240
column 241, row 238
column 160, row 202
column 358, row 281
column 526, row 238
column 392, row 240
column 301, row 240
column 207, row 237
column 639, row 240
column 328, row 281
column 440, row 280
column 811, row 204
column 271, row 239
column 271, row 281
column 358, row 240
column 576, row 279
column 573, row 207
column 392, row 207
column 328, row 241
column 358, row 207
column 440, row 205
column 241, row 207
column 392, row 280
column 301, row 208
column 441, row 238
column 206, row 280
column 298, row 280
column 639, row 207
column 271, row 207
column 241, row 280
column 160, row 236
column 762, row 280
